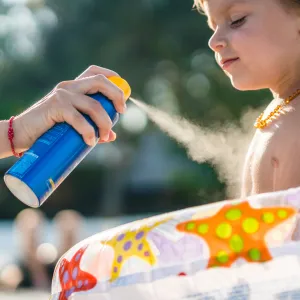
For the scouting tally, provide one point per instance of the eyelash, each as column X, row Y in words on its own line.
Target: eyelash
column 238, row 22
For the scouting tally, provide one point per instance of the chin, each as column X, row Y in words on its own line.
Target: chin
column 245, row 84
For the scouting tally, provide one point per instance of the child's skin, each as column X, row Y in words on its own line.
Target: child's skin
column 265, row 37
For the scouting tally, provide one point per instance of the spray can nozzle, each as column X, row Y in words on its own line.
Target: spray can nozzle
column 122, row 84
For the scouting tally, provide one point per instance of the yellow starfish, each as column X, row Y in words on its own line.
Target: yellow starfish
column 129, row 244
column 237, row 231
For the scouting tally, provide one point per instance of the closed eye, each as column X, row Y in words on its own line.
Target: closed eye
column 238, row 22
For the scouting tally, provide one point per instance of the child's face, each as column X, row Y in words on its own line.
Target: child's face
column 262, row 34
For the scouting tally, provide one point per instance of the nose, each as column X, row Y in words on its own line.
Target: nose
column 217, row 42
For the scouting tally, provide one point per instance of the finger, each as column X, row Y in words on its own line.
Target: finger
column 80, row 124
column 99, row 83
column 112, row 138
column 95, row 110
column 96, row 70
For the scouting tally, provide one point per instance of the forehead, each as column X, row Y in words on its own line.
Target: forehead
column 214, row 8
column 208, row 5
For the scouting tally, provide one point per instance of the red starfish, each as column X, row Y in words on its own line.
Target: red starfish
column 72, row 279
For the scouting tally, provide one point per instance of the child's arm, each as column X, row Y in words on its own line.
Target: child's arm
column 246, row 181
column 247, row 184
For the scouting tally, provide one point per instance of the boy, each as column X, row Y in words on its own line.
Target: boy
column 257, row 44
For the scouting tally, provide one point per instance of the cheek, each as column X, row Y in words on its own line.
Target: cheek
column 263, row 56
column 259, row 52
column 263, row 44
column 252, row 49
column 248, row 43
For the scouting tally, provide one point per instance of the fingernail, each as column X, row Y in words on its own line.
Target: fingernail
column 125, row 107
column 105, row 138
column 92, row 142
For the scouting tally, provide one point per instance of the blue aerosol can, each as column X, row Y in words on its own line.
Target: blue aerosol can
column 54, row 155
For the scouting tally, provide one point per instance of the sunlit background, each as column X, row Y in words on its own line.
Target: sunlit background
column 160, row 48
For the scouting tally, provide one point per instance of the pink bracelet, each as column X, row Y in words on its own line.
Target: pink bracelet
column 10, row 135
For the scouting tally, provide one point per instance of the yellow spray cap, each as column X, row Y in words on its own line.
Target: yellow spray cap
column 122, row 84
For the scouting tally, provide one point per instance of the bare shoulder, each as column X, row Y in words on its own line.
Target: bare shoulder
column 293, row 108
column 271, row 163
column 290, row 117
column 286, row 119
column 284, row 132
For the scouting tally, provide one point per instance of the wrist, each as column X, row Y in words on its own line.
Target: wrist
column 17, row 129
column 18, row 140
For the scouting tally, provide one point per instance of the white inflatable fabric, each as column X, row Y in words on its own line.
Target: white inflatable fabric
column 239, row 249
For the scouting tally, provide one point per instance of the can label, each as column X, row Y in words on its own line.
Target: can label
column 52, row 135
column 22, row 166
column 49, row 138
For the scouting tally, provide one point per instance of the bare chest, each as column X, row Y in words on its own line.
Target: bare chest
column 273, row 158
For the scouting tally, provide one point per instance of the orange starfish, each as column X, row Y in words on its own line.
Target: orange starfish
column 237, row 231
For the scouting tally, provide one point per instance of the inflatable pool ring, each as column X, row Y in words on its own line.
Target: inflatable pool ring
column 213, row 251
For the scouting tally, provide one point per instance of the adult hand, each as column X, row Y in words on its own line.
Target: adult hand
column 64, row 104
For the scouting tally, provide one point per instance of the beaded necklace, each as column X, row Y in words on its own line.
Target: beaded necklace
column 260, row 123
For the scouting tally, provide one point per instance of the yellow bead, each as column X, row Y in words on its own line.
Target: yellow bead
column 263, row 123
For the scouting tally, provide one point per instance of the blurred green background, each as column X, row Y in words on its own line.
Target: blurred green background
column 160, row 48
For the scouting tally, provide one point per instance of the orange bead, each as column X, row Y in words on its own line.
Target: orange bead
column 263, row 123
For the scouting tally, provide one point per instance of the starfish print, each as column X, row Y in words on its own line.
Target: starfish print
column 237, row 231
column 129, row 244
column 170, row 252
column 72, row 279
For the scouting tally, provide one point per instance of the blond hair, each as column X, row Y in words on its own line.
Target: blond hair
column 198, row 4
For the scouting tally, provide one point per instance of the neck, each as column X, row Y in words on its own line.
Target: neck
column 287, row 87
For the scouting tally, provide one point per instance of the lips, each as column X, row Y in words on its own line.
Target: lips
column 225, row 63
